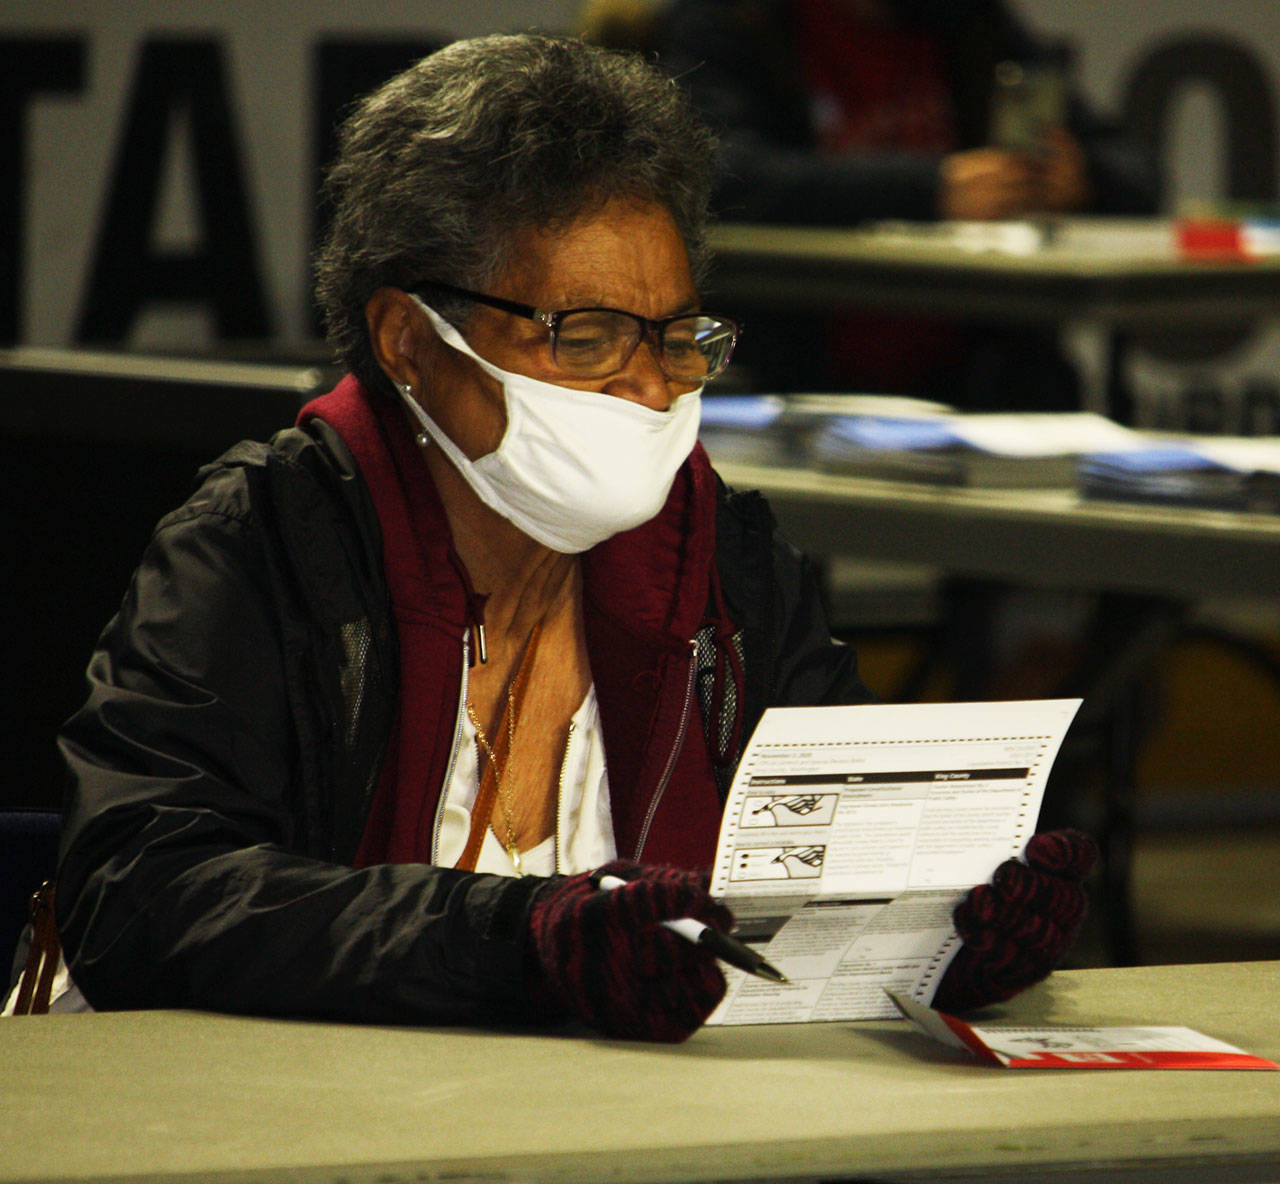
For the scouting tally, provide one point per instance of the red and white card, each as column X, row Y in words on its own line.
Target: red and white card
column 1061, row 1047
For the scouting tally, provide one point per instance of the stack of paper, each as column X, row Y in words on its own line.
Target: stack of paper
column 778, row 429
column 993, row 449
column 745, row 428
column 1229, row 473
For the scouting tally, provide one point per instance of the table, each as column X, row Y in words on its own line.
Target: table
column 1149, row 566
column 1044, row 537
column 186, row 1096
column 1107, row 276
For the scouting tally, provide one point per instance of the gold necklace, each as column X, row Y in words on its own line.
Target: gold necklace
column 515, row 698
column 498, row 771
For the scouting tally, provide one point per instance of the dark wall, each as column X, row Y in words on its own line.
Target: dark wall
column 94, row 458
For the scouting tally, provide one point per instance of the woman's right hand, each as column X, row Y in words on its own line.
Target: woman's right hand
column 603, row 956
column 982, row 184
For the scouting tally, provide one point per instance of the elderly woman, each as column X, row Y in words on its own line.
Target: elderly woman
column 387, row 690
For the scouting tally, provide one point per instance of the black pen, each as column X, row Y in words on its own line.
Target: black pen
column 721, row 945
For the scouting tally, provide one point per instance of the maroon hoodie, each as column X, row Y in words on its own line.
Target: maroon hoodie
column 646, row 593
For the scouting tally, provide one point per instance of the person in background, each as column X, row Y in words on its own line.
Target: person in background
column 836, row 112
column 843, row 112
column 391, row 692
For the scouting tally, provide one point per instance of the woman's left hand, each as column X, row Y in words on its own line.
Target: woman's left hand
column 1017, row 928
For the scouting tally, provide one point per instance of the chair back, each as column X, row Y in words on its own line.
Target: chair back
column 28, row 856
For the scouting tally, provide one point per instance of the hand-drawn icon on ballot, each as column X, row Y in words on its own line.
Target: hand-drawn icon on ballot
column 778, row 863
column 792, row 809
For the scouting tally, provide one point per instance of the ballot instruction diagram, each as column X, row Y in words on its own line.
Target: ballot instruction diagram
column 850, row 834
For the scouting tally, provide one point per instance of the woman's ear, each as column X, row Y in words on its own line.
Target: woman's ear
column 392, row 319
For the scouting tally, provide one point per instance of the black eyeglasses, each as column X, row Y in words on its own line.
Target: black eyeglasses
column 596, row 342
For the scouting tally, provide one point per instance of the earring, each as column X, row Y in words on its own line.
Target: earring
column 421, row 439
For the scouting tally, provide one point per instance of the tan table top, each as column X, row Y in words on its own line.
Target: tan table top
column 1028, row 535
column 192, row 1096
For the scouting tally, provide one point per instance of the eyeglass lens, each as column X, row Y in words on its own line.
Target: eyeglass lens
column 595, row 342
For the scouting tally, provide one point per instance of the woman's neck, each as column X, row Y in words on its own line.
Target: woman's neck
column 523, row 580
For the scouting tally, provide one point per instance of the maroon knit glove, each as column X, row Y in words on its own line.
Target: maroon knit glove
column 603, row 957
column 1016, row 929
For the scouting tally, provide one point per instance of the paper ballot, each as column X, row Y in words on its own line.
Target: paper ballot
column 1057, row 1046
column 851, row 833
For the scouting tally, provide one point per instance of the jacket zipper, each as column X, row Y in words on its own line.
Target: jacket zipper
column 669, row 768
column 564, row 764
column 453, row 748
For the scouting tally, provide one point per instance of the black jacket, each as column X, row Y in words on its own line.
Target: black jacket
column 225, row 762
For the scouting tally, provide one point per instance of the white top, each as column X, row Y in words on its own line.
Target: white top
column 584, row 826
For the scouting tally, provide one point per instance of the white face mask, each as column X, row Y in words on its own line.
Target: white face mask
column 573, row 467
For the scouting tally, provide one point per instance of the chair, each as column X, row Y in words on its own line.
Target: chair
column 28, row 856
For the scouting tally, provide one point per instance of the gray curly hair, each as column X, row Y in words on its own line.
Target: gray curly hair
column 441, row 168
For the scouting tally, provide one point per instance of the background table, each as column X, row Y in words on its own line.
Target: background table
column 198, row 1097
column 1148, row 566
column 1106, row 277
column 1045, row 537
